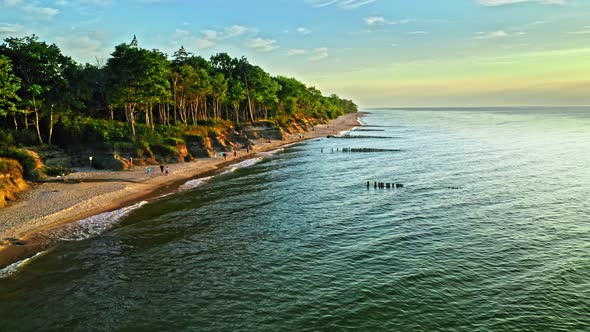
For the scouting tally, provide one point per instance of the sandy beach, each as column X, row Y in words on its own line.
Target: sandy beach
column 88, row 192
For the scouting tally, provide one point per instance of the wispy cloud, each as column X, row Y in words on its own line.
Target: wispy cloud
column 40, row 12
column 82, row 46
column 7, row 29
column 12, row 3
column 372, row 20
column 202, row 43
column 303, row 30
column 417, row 32
column 319, row 54
column 207, row 38
column 380, row 20
column 234, row 31
column 343, row 4
column 497, row 34
column 315, row 54
column 491, row 35
column 296, row 51
column 583, row 31
column 262, row 45
column 493, row 3
column 33, row 9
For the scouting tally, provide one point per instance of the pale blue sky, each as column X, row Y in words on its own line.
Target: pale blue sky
column 377, row 52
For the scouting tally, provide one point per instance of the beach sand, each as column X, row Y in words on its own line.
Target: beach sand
column 48, row 206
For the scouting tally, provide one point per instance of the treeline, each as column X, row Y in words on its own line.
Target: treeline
column 41, row 87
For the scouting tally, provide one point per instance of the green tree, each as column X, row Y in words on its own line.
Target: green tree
column 9, row 85
column 42, row 69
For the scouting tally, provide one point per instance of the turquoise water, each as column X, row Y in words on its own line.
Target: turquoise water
column 296, row 242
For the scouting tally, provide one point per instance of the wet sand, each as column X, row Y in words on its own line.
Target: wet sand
column 89, row 192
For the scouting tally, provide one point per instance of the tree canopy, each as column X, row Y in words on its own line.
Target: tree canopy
column 39, row 86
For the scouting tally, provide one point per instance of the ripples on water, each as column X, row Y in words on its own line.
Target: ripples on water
column 297, row 242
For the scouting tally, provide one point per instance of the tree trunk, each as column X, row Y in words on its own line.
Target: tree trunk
column 37, row 121
column 15, row 121
column 50, row 125
column 249, row 101
column 130, row 117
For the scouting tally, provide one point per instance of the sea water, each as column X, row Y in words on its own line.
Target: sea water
column 491, row 232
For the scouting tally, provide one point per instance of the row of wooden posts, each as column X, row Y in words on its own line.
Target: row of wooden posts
column 382, row 185
column 361, row 150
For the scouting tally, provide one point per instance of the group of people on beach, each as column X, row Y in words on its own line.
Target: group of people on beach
column 164, row 170
column 235, row 149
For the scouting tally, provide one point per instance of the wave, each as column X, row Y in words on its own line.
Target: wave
column 194, row 183
column 243, row 164
column 16, row 266
column 92, row 226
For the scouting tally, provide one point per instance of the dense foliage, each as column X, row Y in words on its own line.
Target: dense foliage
column 138, row 92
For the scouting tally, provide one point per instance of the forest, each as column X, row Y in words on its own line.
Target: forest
column 139, row 98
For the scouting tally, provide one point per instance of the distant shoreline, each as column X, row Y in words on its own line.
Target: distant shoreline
column 49, row 206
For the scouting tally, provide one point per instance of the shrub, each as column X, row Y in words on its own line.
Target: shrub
column 25, row 159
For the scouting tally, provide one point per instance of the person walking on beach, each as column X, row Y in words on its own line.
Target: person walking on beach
column 161, row 169
column 148, row 171
column 167, row 170
column 235, row 154
column 130, row 163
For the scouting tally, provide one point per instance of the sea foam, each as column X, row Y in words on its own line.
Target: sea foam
column 92, row 226
column 194, row 183
column 16, row 266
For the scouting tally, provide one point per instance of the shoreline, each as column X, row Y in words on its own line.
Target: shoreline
column 47, row 207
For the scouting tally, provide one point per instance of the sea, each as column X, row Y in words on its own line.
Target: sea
column 490, row 232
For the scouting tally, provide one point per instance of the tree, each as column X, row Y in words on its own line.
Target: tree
column 9, row 85
column 236, row 95
column 42, row 70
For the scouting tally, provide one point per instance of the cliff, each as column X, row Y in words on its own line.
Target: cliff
column 11, row 180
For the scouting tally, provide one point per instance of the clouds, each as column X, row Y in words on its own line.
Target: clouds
column 32, row 9
column 208, row 38
column 491, row 35
column 9, row 30
column 342, row 4
column 296, row 51
column 82, row 46
column 319, row 54
column 372, row 20
column 315, row 54
column 235, row 31
column 262, row 45
column 494, row 3
column 380, row 20
column 583, row 31
column 303, row 30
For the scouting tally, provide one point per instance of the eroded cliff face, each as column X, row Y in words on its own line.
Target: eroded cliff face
column 11, row 180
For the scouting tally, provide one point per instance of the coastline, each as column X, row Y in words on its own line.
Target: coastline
column 49, row 206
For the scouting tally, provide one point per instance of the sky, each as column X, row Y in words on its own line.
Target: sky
column 379, row 53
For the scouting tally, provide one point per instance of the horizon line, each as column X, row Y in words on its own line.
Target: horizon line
column 448, row 107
